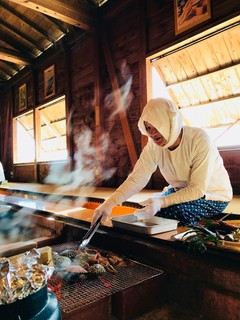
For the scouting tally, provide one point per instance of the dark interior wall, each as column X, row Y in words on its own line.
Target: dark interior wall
column 160, row 22
column 55, row 57
column 81, row 58
column 132, row 29
column 122, row 31
column 6, row 107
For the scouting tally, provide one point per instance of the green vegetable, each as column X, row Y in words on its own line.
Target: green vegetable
column 197, row 239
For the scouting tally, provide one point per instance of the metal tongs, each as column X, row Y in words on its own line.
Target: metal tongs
column 88, row 236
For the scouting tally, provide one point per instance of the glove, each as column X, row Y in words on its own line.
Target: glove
column 152, row 206
column 103, row 210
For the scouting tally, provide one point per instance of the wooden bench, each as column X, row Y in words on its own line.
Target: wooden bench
column 234, row 205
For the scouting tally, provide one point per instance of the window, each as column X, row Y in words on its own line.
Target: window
column 23, row 137
column 51, row 131
column 48, row 141
column 202, row 78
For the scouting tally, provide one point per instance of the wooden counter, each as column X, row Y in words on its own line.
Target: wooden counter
column 207, row 284
column 72, row 206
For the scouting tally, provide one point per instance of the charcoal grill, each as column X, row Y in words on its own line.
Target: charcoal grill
column 78, row 294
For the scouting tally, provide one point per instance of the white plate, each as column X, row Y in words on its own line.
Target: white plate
column 184, row 235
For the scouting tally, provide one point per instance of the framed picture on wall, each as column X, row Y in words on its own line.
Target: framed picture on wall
column 22, row 97
column 49, row 82
column 189, row 13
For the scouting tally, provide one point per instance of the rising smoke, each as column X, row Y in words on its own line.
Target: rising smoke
column 87, row 165
column 89, row 159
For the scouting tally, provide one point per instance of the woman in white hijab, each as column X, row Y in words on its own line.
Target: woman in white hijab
column 199, row 185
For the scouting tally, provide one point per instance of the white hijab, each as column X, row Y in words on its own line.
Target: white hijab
column 163, row 115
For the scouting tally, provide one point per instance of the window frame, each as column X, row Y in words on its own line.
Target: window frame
column 182, row 47
column 36, row 133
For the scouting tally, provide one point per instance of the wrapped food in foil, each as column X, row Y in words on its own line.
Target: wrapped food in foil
column 22, row 277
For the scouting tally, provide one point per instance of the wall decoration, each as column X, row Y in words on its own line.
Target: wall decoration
column 49, row 82
column 189, row 13
column 22, row 97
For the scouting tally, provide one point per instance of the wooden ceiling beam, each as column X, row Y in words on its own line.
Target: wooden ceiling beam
column 8, row 69
column 13, row 56
column 21, row 34
column 58, row 24
column 17, row 46
column 28, row 22
column 4, row 75
column 78, row 13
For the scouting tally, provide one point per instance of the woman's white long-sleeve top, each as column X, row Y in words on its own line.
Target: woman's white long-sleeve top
column 195, row 169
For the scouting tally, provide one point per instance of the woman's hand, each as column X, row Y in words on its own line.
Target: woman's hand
column 151, row 207
column 104, row 211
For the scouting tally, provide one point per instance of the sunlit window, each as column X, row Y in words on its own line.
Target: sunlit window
column 48, row 141
column 51, row 131
column 201, row 75
column 23, row 133
column 221, row 120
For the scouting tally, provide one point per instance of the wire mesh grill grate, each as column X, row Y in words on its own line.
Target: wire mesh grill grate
column 74, row 295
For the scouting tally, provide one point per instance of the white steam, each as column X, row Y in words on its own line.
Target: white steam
column 90, row 157
column 125, row 93
column 90, row 160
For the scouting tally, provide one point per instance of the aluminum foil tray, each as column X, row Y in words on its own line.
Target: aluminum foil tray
column 150, row 226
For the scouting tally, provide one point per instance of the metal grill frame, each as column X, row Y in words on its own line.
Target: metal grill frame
column 81, row 293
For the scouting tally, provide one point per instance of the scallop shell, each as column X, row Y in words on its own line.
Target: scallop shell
column 82, row 259
column 61, row 261
column 97, row 269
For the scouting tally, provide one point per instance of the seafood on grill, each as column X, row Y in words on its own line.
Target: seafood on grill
column 88, row 262
column 96, row 269
column 83, row 259
column 60, row 262
column 70, row 253
column 74, row 272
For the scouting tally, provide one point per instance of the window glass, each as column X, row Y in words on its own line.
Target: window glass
column 221, row 120
column 48, row 141
column 201, row 75
column 51, row 131
column 23, row 136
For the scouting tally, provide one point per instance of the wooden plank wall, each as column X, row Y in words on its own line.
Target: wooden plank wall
column 133, row 29
column 160, row 22
column 6, row 131
column 124, row 38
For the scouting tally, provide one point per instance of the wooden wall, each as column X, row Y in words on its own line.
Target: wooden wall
column 128, row 32
column 6, row 107
column 160, row 22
